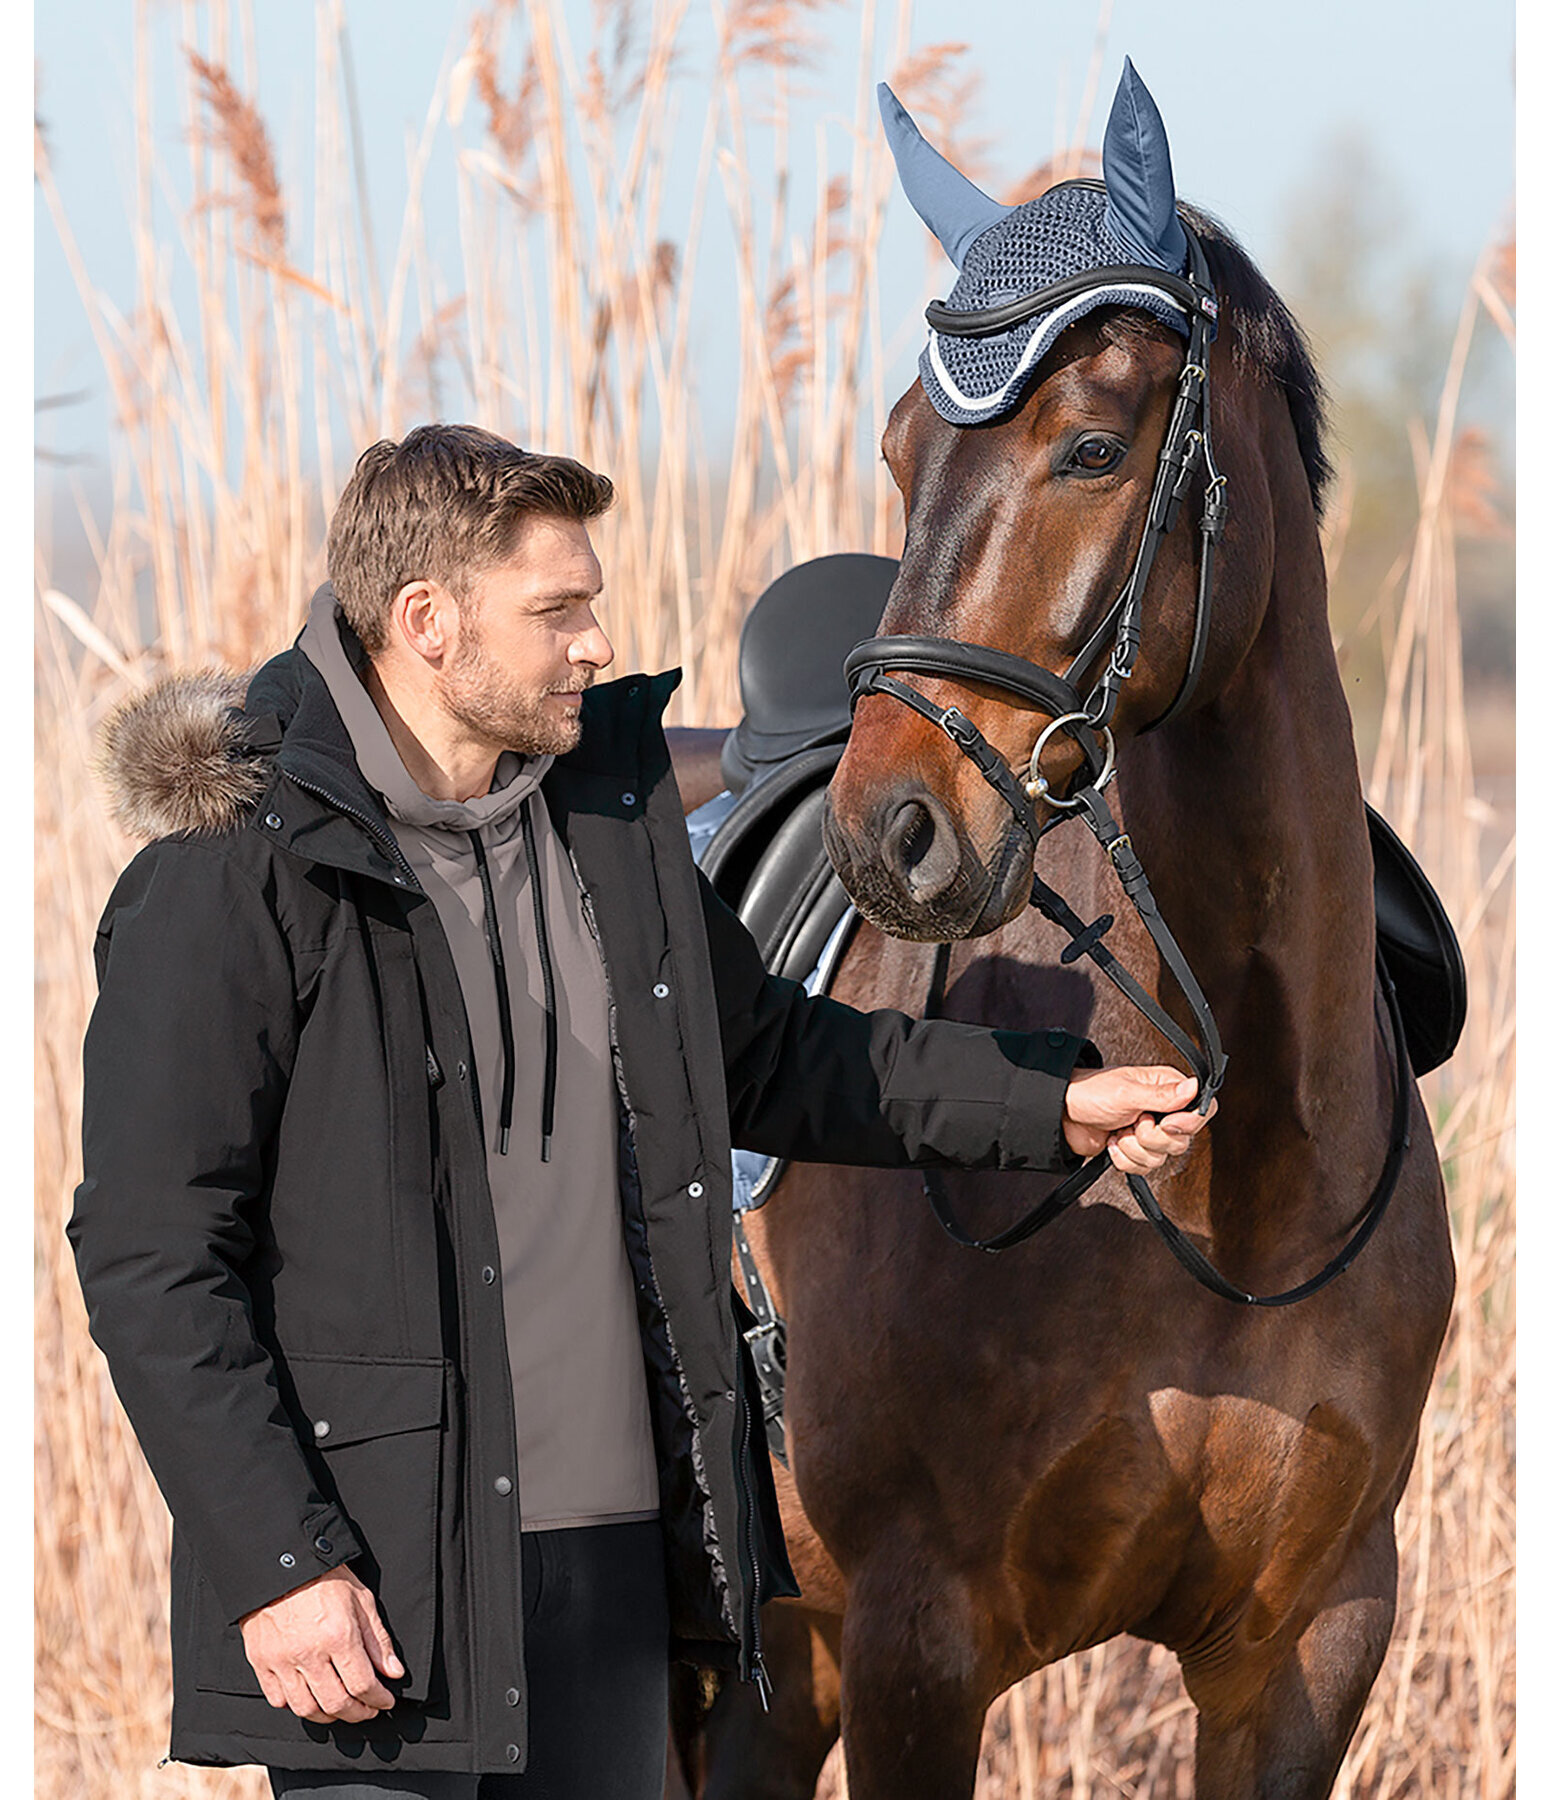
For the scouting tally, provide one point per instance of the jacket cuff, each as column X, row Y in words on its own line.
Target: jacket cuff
column 320, row 1540
column 1043, row 1062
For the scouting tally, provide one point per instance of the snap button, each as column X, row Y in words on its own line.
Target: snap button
column 287, row 1561
column 488, row 1273
column 696, row 1188
column 462, row 1071
column 1057, row 1038
column 513, row 1754
column 661, row 990
column 628, row 799
column 321, row 1428
column 512, row 1696
column 503, row 1484
column 322, row 1546
column 273, row 821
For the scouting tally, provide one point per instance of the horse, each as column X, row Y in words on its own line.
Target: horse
column 999, row 1460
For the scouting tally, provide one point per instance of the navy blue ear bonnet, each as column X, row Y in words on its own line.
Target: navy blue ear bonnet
column 1004, row 253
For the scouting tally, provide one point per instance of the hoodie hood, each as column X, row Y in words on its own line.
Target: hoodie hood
column 335, row 652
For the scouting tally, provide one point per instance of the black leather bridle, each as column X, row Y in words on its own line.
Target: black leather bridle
column 1087, row 719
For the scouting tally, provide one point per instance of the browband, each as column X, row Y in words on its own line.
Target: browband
column 954, row 323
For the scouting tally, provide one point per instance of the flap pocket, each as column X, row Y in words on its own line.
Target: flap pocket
column 345, row 1400
column 372, row 1430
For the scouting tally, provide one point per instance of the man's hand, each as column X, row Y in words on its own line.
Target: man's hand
column 1134, row 1112
column 319, row 1649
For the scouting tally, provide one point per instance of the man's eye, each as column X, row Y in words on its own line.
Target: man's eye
column 1095, row 456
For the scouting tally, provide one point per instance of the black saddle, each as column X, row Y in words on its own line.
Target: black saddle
column 767, row 859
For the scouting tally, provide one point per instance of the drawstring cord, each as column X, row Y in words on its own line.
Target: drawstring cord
column 492, row 936
column 551, row 1017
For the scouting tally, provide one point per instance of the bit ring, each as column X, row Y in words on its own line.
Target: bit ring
column 1034, row 784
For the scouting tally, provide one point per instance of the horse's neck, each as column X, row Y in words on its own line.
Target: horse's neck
column 1248, row 817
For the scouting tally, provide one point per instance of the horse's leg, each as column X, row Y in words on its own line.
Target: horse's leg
column 744, row 1753
column 1286, row 1743
column 916, row 1682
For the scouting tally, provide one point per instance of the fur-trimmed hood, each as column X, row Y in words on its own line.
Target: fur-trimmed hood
column 178, row 757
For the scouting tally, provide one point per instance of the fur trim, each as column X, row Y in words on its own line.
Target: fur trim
column 173, row 758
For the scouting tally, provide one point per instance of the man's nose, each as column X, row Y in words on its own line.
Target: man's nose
column 591, row 646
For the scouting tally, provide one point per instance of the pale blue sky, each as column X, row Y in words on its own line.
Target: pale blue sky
column 1253, row 93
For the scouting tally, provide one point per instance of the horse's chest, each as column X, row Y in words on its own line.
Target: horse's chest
column 1192, row 1511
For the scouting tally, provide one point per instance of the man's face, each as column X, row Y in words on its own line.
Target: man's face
column 528, row 643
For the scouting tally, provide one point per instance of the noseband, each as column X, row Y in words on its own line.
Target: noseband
column 1087, row 720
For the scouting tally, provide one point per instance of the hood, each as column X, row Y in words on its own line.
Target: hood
column 335, row 652
column 179, row 757
column 197, row 752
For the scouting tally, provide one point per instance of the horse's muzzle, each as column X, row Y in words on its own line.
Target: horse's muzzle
column 912, row 872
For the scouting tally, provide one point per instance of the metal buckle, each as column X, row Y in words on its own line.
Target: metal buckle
column 959, row 727
column 1034, row 784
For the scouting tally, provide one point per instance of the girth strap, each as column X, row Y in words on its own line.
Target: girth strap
column 767, row 1341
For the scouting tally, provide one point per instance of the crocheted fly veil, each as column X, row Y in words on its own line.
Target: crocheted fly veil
column 1003, row 253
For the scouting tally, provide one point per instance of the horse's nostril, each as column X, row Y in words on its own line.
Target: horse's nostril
column 921, row 850
column 916, row 832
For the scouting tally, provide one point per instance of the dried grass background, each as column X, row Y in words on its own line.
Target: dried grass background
column 568, row 320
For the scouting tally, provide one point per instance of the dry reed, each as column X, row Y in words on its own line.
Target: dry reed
column 568, row 319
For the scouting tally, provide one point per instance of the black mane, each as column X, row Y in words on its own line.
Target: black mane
column 1269, row 342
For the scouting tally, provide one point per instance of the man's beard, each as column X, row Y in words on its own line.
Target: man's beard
column 481, row 696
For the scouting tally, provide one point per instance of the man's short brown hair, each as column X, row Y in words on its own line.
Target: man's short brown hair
column 445, row 504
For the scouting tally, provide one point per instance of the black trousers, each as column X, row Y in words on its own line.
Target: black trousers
column 594, row 1607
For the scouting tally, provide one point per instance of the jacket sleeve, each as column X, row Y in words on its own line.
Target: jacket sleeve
column 816, row 1080
column 186, row 1063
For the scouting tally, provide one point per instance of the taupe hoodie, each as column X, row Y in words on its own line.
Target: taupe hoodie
column 583, row 1430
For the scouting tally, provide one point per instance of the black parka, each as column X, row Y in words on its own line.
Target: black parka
column 286, row 1241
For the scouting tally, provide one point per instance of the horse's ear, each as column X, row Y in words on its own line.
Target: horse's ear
column 1142, row 210
column 948, row 202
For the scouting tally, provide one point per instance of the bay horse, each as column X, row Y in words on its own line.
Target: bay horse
column 996, row 1461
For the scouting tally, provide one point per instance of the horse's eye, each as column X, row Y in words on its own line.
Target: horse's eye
column 1096, row 455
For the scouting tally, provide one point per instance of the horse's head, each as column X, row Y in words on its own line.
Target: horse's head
column 1028, row 456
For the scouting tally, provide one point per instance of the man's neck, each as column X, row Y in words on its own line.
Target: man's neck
column 442, row 760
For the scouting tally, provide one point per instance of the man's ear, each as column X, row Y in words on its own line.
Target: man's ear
column 423, row 619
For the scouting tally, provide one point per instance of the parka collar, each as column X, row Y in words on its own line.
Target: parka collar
column 332, row 815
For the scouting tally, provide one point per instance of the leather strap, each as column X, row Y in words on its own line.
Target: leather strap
column 1367, row 1220
column 767, row 1341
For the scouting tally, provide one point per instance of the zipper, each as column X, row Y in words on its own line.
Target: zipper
column 368, row 824
column 761, row 1677
column 756, row 1661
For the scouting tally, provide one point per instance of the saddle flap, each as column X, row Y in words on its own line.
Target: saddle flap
column 1419, row 948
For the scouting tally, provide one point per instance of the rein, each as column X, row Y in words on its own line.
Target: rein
column 1186, row 450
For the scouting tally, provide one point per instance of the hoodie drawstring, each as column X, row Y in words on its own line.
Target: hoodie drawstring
column 551, row 1016
column 492, row 936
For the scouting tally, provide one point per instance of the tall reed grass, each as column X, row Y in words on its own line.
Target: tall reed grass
column 568, row 317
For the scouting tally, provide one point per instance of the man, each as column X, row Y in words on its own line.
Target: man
column 410, row 1090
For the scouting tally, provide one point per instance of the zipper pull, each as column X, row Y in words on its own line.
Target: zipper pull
column 761, row 1680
